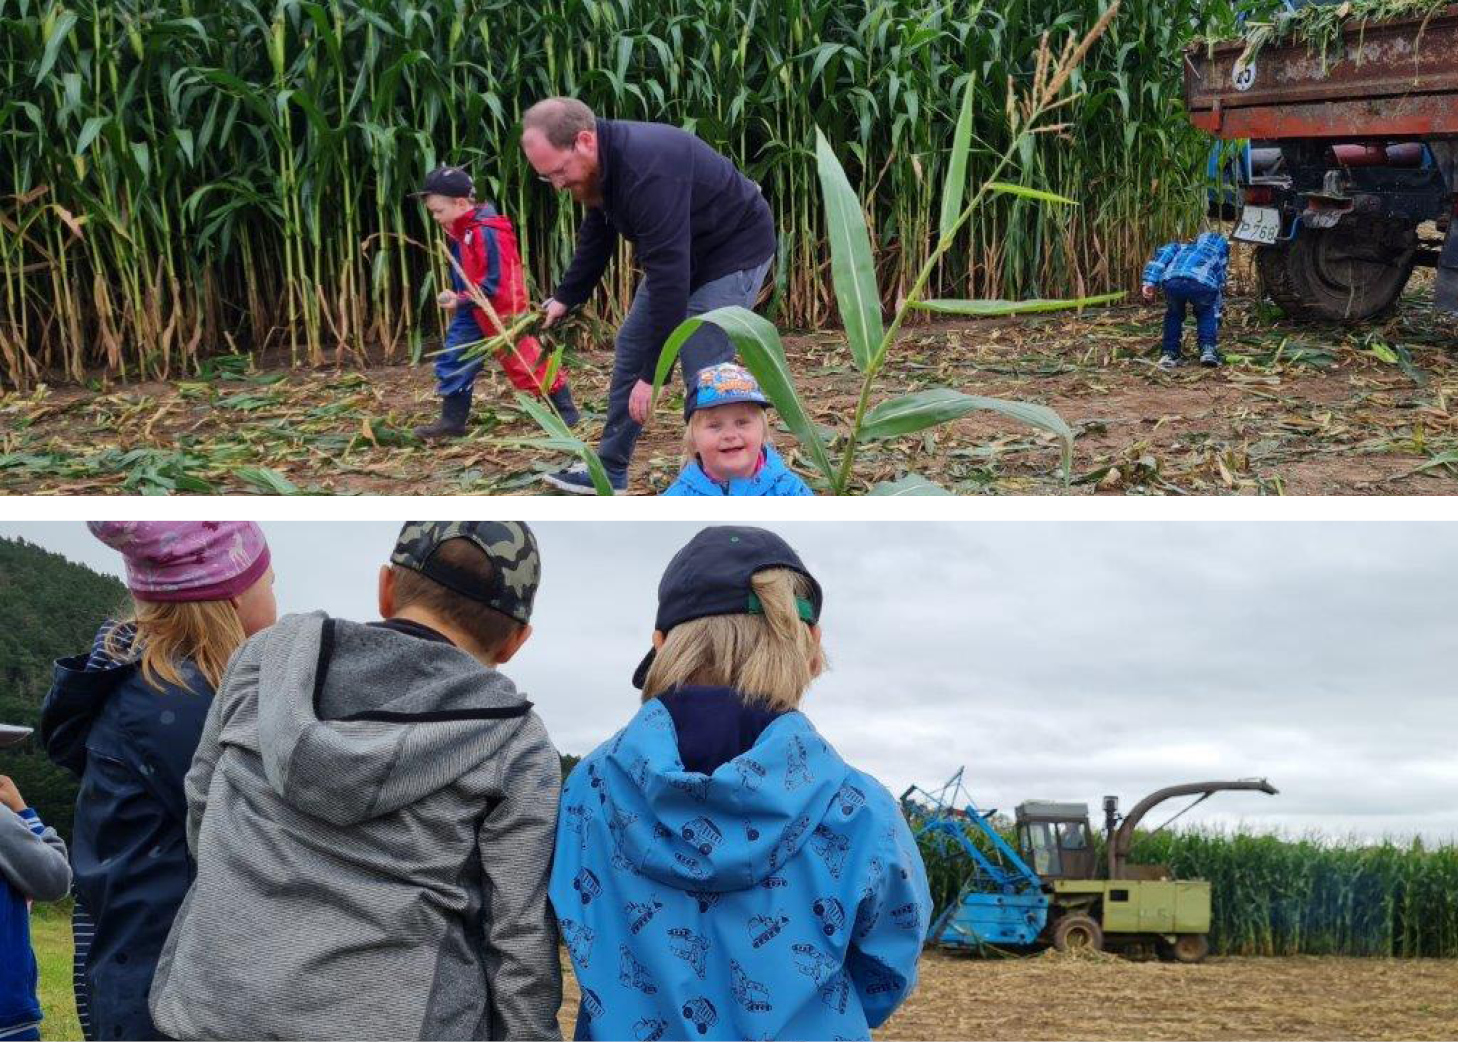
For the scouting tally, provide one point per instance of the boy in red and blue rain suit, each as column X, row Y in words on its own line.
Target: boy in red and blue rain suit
column 484, row 245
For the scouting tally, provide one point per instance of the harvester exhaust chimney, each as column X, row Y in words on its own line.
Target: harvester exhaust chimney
column 1111, row 816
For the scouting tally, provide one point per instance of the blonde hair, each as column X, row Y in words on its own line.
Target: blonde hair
column 770, row 659
column 691, row 456
column 169, row 633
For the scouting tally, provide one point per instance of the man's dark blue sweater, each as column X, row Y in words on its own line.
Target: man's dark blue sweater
column 691, row 216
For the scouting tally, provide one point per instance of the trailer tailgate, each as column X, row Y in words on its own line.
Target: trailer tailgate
column 1389, row 79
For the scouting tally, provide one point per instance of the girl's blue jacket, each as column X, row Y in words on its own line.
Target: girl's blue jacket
column 773, row 479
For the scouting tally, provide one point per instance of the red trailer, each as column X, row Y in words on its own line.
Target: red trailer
column 1353, row 152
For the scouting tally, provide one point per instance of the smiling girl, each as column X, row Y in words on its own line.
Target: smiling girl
column 727, row 446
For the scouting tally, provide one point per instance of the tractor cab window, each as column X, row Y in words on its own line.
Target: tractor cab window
column 1073, row 835
column 1040, row 840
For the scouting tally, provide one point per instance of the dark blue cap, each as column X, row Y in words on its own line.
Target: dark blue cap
column 711, row 576
column 450, row 181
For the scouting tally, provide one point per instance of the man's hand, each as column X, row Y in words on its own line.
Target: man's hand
column 1148, row 292
column 555, row 310
column 640, row 401
column 10, row 795
column 447, row 299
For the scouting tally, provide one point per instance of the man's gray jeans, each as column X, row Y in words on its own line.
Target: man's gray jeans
column 708, row 346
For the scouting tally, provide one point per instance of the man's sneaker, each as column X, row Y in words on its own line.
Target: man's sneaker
column 1210, row 356
column 575, row 480
column 1168, row 361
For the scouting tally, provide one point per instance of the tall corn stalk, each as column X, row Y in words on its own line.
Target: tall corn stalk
column 181, row 177
column 860, row 300
column 1280, row 895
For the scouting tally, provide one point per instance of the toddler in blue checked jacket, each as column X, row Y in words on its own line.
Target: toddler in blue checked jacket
column 1190, row 273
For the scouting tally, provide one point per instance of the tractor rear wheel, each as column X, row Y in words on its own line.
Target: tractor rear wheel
column 1188, row 947
column 1348, row 273
column 1078, row 932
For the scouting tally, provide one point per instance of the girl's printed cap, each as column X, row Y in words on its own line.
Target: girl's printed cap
column 711, row 576
column 187, row 560
column 723, row 384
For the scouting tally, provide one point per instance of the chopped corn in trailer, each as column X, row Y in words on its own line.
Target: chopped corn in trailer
column 1350, row 154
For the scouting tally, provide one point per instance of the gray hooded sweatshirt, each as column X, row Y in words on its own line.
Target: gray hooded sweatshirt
column 372, row 815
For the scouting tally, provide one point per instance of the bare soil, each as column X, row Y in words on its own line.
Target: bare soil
column 1299, row 409
column 1054, row 996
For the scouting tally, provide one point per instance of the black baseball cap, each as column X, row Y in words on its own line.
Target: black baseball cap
column 711, row 576
column 449, row 181
column 510, row 545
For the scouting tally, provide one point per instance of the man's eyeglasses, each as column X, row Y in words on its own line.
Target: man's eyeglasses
column 553, row 176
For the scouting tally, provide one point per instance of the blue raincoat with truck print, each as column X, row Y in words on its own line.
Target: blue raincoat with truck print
column 781, row 896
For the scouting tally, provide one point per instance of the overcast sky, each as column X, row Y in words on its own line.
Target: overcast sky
column 1053, row 660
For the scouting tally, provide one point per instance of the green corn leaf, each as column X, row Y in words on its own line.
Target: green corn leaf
column 910, row 485
column 89, row 130
column 915, row 412
column 561, row 437
column 995, row 308
column 59, row 32
column 851, row 267
column 266, row 479
column 956, row 186
column 763, row 354
column 1030, row 193
column 554, row 363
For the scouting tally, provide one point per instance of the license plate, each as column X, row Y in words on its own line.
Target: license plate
column 1259, row 224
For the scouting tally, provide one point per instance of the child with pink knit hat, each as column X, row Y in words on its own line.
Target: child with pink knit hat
column 127, row 719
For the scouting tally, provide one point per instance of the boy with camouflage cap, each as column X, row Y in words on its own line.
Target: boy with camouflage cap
column 372, row 811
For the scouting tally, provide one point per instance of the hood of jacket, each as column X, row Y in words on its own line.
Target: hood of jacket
column 357, row 721
column 1214, row 242
column 76, row 699
column 721, row 831
column 81, row 688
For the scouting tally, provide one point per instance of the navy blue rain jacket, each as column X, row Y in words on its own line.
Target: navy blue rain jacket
column 131, row 745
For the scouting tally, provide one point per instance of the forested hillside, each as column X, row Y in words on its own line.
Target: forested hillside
column 49, row 608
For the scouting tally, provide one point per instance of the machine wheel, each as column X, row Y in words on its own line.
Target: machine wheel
column 1188, row 947
column 1344, row 274
column 1078, row 932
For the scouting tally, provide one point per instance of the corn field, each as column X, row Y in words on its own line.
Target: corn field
column 182, row 177
column 1272, row 895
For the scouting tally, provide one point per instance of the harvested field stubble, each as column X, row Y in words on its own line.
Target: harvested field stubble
column 1053, row 996
column 1300, row 409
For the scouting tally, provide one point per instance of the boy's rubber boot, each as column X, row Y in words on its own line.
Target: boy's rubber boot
column 454, row 410
column 566, row 408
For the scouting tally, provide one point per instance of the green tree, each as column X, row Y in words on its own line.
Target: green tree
column 49, row 608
